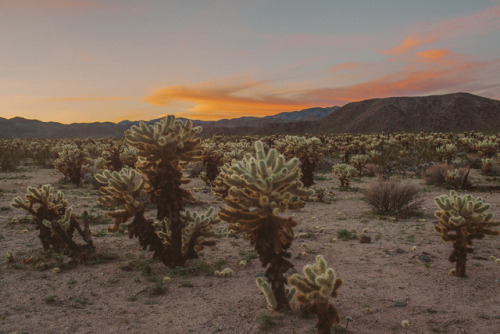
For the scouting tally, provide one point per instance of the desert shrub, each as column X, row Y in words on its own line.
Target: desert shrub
column 446, row 176
column 393, row 197
column 473, row 160
column 373, row 170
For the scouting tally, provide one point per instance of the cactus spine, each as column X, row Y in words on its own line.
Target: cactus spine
column 54, row 220
column 260, row 188
column 318, row 284
column 175, row 235
column 462, row 219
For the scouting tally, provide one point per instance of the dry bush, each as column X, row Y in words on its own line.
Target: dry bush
column 436, row 174
column 473, row 161
column 447, row 176
column 373, row 170
column 393, row 197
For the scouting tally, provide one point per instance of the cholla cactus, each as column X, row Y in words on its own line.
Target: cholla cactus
column 266, row 289
column 175, row 235
column 461, row 220
column 129, row 156
column 487, row 148
column 487, row 164
column 447, row 152
column 111, row 153
column 53, row 219
column 318, row 284
column 359, row 161
column 260, row 188
column 211, row 157
column 344, row 172
column 309, row 151
column 71, row 161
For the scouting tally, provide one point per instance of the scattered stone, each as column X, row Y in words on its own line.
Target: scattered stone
column 425, row 258
column 365, row 239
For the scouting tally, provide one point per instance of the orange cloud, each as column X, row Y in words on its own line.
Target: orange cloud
column 408, row 44
column 209, row 101
column 481, row 22
column 433, row 54
column 410, row 81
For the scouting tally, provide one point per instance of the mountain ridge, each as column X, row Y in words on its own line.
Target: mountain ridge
column 455, row 112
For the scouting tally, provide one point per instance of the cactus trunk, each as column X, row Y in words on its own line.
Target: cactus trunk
column 459, row 256
column 170, row 203
column 277, row 281
column 277, row 265
column 325, row 320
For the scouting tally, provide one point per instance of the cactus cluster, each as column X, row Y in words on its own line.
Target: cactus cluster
column 71, row 161
column 309, row 151
column 261, row 187
column 54, row 220
column 175, row 235
column 314, row 290
column 463, row 218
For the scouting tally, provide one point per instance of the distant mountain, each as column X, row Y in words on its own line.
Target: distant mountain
column 437, row 113
column 19, row 127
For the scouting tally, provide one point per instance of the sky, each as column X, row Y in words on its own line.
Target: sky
column 112, row 60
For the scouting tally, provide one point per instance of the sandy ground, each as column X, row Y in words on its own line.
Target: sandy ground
column 385, row 281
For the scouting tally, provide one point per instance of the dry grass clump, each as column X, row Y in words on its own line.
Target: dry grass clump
column 393, row 197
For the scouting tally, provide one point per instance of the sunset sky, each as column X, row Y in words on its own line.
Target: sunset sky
column 111, row 60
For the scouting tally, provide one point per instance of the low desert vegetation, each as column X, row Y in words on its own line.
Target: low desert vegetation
column 393, row 197
column 252, row 190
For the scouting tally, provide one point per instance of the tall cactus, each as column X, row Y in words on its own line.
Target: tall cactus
column 261, row 187
column 318, row 284
column 461, row 220
column 175, row 235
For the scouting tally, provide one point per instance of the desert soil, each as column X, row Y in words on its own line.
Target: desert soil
column 120, row 291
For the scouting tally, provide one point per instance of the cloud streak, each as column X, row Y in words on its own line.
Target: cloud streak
column 484, row 21
column 428, row 72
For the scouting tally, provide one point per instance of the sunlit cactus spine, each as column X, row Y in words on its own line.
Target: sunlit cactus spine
column 54, row 219
column 266, row 289
column 261, row 187
column 461, row 220
column 309, row 151
column 314, row 290
column 175, row 235
column 359, row 162
column 71, row 161
column 344, row 172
